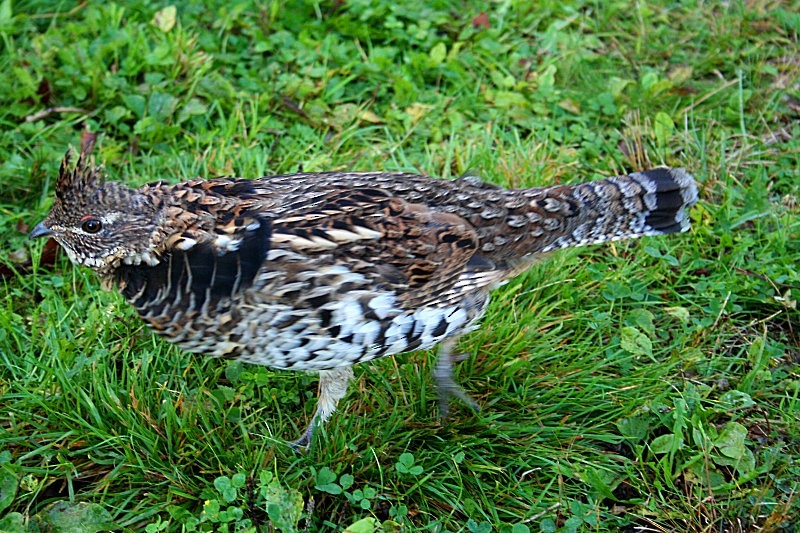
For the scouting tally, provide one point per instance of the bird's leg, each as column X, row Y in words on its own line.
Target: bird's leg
column 445, row 384
column 332, row 388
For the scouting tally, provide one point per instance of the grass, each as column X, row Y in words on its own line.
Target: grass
column 642, row 386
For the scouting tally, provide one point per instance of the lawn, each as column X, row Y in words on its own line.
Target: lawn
column 651, row 385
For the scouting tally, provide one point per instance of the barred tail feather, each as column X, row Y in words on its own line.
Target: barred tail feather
column 651, row 202
column 671, row 192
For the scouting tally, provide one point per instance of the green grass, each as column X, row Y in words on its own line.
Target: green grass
column 642, row 386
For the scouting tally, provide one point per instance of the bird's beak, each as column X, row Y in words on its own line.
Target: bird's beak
column 40, row 231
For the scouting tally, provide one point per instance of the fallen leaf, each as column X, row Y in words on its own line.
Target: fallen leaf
column 570, row 105
column 418, row 110
column 49, row 253
column 46, row 260
column 165, row 19
column 88, row 139
column 481, row 20
column 369, row 116
column 45, row 91
column 20, row 255
column 680, row 74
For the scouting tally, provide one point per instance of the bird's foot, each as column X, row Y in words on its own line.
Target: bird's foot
column 445, row 394
column 446, row 386
column 303, row 443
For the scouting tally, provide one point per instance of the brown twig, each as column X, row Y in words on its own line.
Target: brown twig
column 766, row 278
column 66, row 14
column 50, row 110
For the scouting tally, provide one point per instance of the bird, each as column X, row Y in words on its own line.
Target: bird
column 319, row 271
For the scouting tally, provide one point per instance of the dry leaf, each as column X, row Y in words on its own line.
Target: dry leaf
column 418, row 110
column 165, row 19
column 369, row 116
column 481, row 20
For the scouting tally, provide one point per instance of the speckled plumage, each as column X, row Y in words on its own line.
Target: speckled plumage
column 320, row 271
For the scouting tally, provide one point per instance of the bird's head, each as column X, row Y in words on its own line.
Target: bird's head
column 99, row 224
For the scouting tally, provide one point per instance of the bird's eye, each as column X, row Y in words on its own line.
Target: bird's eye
column 91, row 225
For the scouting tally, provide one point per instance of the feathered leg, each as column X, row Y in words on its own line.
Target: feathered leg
column 332, row 388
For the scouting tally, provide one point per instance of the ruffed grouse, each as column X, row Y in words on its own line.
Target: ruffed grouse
column 319, row 271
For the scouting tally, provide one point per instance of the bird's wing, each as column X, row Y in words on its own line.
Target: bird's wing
column 423, row 256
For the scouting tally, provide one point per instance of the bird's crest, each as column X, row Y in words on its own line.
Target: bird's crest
column 77, row 182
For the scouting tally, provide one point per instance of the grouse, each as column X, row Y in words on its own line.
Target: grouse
column 320, row 271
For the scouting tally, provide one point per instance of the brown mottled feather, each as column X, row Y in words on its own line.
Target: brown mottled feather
column 319, row 271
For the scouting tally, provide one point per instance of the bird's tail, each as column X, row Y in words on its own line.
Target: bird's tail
column 652, row 202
